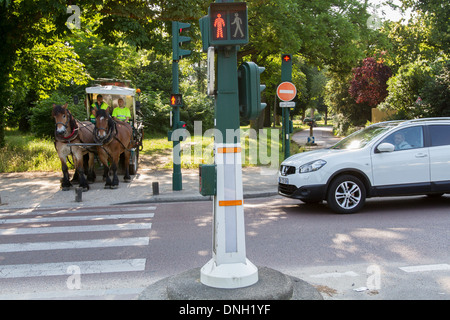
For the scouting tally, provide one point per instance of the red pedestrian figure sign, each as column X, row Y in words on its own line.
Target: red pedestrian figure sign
column 228, row 23
column 219, row 24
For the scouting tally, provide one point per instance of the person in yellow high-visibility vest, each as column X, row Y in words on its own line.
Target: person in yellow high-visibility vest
column 100, row 104
column 121, row 113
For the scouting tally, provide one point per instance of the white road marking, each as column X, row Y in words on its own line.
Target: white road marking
column 5, row 213
column 429, row 267
column 334, row 274
column 103, row 293
column 102, row 227
column 79, row 218
column 75, row 244
column 60, row 268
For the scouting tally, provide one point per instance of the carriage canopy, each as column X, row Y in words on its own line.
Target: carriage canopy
column 111, row 95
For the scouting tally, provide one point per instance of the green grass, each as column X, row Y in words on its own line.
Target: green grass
column 24, row 152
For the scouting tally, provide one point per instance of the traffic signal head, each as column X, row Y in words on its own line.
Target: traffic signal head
column 178, row 40
column 250, row 89
column 204, row 29
column 228, row 23
column 181, row 125
column 176, row 100
column 286, row 58
column 286, row 67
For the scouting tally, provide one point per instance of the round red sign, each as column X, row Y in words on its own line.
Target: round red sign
column 286, row 91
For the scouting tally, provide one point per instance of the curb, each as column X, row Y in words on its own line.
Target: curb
column 187, row 198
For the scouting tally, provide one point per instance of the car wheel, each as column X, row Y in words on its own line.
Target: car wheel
column 346, row 194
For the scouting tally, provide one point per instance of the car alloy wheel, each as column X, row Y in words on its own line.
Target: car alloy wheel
column 346, row 194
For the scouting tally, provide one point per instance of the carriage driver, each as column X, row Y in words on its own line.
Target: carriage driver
column 121, row 113
column 100, row 104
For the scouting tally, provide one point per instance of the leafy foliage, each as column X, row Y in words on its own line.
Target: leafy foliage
column 42, row 122
column 369, row 83
column 131, row 39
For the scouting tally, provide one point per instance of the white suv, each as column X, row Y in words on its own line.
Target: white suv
column 392, row 158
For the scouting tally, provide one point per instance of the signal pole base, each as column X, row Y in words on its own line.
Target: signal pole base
column 229, row 275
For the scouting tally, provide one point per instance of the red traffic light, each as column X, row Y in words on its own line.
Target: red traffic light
column 286, row 57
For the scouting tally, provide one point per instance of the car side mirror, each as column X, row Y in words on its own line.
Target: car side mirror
column 386, row 147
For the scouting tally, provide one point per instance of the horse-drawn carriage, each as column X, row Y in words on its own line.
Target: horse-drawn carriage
column 117, row 143
column 111, row 93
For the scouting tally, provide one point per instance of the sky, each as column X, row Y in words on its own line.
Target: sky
column 390, row 14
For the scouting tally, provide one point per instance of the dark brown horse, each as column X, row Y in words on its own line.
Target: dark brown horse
column 115, row 137
column 70, row 130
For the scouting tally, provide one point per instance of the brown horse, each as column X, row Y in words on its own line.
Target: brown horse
column 115, row 137
column 70, row 130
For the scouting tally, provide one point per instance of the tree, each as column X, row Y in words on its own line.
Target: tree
column 23, row 25
column 436, row 92
column 436, row 15
column 428, row 80
column 369, row 83
column 27, row 23
column 405, row 87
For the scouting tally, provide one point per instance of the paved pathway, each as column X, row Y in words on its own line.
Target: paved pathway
column 324, row 138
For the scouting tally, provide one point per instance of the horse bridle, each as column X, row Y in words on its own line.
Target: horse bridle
column 69, row 119
column 109, row 132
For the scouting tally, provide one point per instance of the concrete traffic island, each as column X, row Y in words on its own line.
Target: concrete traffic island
column 272, row 285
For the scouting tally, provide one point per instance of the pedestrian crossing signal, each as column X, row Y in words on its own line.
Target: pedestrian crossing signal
column 176, row 100
column 228, row 23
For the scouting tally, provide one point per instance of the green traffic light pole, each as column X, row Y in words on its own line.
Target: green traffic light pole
column 229, row 268
column 286, row 75
column 177, row 181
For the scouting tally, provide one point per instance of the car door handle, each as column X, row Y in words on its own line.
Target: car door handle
column 421, row 155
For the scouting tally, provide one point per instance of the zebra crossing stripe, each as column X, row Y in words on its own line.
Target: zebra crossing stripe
column 75, row 244
column 61, row 268
column 72, row 294
column 79, row 218
column 428, row 267
column 90, row 228
column 50, row 211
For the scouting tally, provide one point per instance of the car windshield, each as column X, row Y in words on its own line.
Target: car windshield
column 362, row 137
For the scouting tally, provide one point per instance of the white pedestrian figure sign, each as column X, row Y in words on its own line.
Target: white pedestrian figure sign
column 238, row 24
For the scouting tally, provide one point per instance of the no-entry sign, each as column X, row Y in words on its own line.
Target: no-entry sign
column 286, row 91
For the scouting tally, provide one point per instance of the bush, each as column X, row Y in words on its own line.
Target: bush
column 155, row 113
column 42, row 122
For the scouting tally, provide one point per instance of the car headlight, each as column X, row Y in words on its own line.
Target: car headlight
column 311, row 166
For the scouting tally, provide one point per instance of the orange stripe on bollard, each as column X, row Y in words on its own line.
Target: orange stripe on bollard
column 226, row 203
column 229, row 150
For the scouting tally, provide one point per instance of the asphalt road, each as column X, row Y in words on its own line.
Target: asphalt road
column 395, row 249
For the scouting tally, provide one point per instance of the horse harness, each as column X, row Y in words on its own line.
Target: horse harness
column 75, row 129
column 111, row 134
column 75, row 124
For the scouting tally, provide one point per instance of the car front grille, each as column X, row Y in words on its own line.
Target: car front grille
column 287, row 170
column 287, row 189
